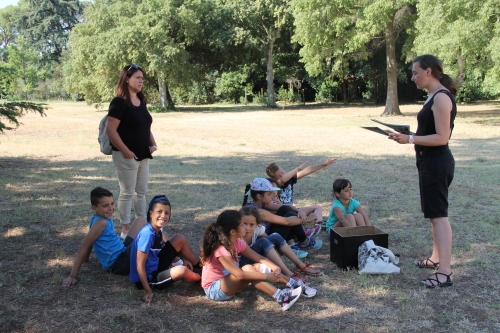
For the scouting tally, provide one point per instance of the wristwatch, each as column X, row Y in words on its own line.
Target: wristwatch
column 410, row 138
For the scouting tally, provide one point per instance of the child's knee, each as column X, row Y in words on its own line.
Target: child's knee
column 178, row 272
column 248, row 268
column 177, row 239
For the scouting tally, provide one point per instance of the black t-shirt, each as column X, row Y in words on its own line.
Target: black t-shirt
column 286, row 195
column 135, row 126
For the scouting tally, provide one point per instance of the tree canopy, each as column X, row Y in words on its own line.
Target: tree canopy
column 204, row 51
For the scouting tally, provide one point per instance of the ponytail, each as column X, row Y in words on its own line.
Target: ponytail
column 245, row 196
column 448, row 82
column 218, row 234
column 427, row 60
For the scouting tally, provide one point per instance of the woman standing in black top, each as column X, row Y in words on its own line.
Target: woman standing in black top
column 129, row 130
column 435, row 162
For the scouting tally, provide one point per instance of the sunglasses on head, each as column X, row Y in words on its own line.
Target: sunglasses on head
column 134, row 66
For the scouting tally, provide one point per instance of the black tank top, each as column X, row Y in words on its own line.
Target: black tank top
column 426, row 124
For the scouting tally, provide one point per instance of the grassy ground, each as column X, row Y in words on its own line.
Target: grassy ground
column 205, row 157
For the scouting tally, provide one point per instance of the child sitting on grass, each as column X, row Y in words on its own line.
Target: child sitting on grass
column 286, row 180
column 287, row 221
column 152, row 255
column 222, row 277
column 314, row 213
column 267, row 246
column 346, row 211
column 108, row 247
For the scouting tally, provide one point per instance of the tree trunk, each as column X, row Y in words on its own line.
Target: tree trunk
column 461, row 68
column 345, row 97
column 391, row 102
column 271, row 98
column 165, row 98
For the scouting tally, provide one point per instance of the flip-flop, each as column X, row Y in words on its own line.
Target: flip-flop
column 425, row 264
column 305, row 271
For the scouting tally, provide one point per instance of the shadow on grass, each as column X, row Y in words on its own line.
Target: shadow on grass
column 45, row 212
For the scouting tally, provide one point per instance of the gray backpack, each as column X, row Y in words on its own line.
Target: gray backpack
column 103, row 138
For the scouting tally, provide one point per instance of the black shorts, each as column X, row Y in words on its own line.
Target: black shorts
column 161, row 278
column 122, row 263
column 435, row 174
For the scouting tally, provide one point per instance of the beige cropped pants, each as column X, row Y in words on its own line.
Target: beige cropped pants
column 133, row 179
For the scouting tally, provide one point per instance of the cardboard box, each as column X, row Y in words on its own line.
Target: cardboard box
column 344, row 243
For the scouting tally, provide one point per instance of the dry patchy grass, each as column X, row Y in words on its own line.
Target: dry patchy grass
column 206, row 155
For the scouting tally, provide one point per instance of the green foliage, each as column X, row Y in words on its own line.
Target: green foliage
column 327, row 91
column 258, row 24
column 335, row 32
column 47, row 25
column 153, row 34
column 465, row 35
column 8, row 26
column 10, row 112
column 230, row 86
column 23, row 70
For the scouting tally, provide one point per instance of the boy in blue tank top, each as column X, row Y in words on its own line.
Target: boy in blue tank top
column 113, row 255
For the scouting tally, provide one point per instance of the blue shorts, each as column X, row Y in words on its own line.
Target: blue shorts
column 215, row 293
column 264, row 245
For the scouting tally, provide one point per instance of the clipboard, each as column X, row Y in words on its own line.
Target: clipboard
column 378, row 130
column 403, row 129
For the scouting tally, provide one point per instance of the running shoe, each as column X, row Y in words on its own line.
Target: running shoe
column 300, row 254
column 313, row 244
column 311, row 232
column 288, row 297
column 307, row 291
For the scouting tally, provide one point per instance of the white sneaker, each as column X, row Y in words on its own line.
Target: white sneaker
column 307, row 291
column 123, row 236
column 288, row 297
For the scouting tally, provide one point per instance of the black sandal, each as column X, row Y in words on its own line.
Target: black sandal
column 434, row 282
column 425, row 264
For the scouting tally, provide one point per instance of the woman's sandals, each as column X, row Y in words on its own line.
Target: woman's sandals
column 425, row 264
column 434, row 282
column 308, row 270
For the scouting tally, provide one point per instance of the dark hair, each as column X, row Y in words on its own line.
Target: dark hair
column 98, row 193
column 272, row 180
column 158, row 199
column 339, row 185
column 429, row 61
column 252, row 211
column 253, row 194
column 122, row 87
column 217, row 234
column 271, row 169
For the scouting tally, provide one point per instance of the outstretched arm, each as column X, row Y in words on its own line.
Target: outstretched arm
column 84, row 251
column 287, row 176
column 314, row 168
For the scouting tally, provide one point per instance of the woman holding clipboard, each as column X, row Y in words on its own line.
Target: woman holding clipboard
column 435, row 161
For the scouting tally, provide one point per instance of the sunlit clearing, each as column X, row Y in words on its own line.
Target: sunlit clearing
column 15, row 232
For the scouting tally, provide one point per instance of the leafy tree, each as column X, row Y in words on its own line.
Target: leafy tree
column 152, row 33
column 258, row 24
column 8, row 28
column 461, row 33
column 230, row 86
column 336, row 31
column 24, row 67
column 47, row 24
column 12, row 111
